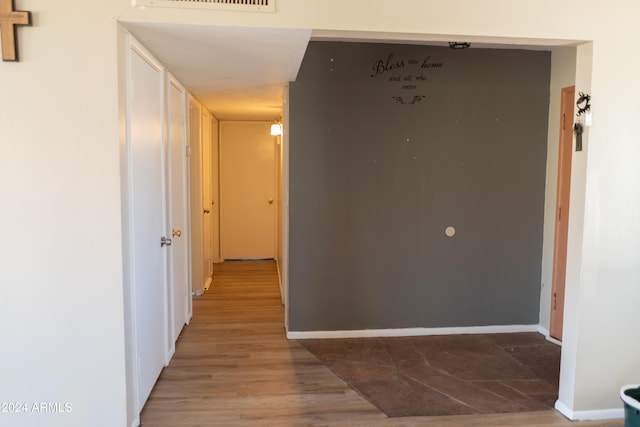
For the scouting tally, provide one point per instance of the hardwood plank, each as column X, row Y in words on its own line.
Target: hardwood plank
column 233, row 366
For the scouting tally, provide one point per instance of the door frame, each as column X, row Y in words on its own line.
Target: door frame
column 561, row 218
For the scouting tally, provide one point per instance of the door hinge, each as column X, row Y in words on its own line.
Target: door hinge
column 559, row 213
column 564, row 120
column 187, row 151
column 555, row 300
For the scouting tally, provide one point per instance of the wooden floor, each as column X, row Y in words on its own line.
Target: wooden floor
column 234, row 367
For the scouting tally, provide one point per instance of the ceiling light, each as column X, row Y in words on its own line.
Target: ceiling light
column 276, row 129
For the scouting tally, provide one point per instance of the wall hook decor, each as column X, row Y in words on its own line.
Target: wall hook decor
column 584, row 107
column 583, row 103
column 459, row 45
column 578, row 129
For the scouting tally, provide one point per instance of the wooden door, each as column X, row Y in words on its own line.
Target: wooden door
column 207, row 199
column 177, row 197
column 247, row 190
column 215, row 191
column 562, row 212
column 148, row 219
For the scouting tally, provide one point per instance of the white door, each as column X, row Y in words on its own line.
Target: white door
column 195, row 172
column 148, row 218
column 247, row 190
column 177, row 186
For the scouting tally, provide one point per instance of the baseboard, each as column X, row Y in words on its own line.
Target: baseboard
column 544, row 331
column 553, row 340
column 280, row 281
column 563, row 409
column 410, row 332
column 136, row 423
column 169, row 355
column 598, row 414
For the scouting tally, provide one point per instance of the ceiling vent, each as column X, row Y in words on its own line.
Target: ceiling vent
column 231, row 5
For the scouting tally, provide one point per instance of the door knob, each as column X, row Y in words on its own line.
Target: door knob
column 165, row 242
column 176, row 233
column 270, row 201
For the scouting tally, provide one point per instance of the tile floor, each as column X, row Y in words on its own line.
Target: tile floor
column 447, row 375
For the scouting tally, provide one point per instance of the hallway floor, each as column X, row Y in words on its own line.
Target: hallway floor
column 233, row 366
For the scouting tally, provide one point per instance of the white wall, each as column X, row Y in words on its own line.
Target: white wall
column 563, row 74
column 605, row 263
column 61, row 295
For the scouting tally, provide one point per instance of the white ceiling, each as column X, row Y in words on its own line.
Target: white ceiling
column 237, row 73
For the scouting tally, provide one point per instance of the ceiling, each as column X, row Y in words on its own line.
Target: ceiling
column 237, row 73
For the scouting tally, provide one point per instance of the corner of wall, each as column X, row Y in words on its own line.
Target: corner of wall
column 571, row 329
column 130, row 353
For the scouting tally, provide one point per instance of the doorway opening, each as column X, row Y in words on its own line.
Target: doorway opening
column 282, row 210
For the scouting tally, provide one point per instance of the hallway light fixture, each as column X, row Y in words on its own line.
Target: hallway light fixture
column 276, row 129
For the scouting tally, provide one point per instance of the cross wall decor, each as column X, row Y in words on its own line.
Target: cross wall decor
column 9, row 20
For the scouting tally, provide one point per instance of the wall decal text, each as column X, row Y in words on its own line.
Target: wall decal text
column 407, row 73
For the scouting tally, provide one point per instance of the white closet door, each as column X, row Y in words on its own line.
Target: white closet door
column 148, row 218
column 177, row 195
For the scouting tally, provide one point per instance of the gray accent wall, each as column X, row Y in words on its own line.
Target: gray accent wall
column 389, row 146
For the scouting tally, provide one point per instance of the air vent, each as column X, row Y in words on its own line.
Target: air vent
column 235, row 5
